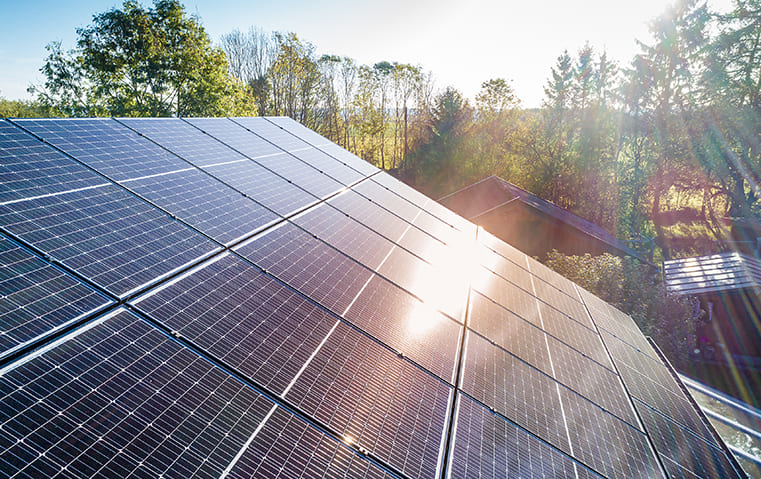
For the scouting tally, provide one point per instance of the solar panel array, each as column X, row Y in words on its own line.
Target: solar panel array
column 242, row 298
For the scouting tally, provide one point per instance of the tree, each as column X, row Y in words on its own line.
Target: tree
column 294, row 77
column 141, row 62
column 249, row 59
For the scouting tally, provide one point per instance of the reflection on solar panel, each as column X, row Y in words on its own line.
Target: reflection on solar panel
column 243, row 298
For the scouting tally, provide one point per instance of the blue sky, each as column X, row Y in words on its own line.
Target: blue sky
column 463, row 42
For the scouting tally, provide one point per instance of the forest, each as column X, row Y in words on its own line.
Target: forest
column 664, row 152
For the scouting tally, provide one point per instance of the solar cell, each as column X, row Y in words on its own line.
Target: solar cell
column 514, row 389
column 376, row 400
column 30, row 168
column 106, row 234
column 606, row 443
column 308, row 265
column 241, row 316
column 263, row 186
column 346, row 235
column 680, row 446
column 119, row 398
column 38, row 298
column 486, row 445
column 407, row 325
column 323, row 144
column 204, row 203
column 287, row 447
column 106, row 146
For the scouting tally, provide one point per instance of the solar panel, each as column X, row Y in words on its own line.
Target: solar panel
column 243, row 317
column 509, row 331
column 324, row 144
column 377, row 400
column 106, row 146
column 346, row 235
column 185, row 297
column 682, row 449
column 204, row 203
column 38, row 298
column 389, row 225
column 298, row 148
column 606, row 443
column 29, row 168
column 408, row 326
column 119, row 398
column 288, row 447
column 308, row 265
column 486, row 445
column 515, row 390
column 118, row 241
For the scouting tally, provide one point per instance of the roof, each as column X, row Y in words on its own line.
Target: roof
column 243, row 298
column 714, row 273
column 494, row 193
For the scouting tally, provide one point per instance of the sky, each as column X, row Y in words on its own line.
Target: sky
column 462, row 42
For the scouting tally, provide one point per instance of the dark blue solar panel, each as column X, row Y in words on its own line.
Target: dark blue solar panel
column 509, row 331
column 235, row 136
column 121, row 399
column 37, row 298
column 263, row 186
column 441, row 287
column 504, row 249
column 30, row 168
column 346, row 235
column 323, row 144
column 515, row 273
column 376, row 400
column 683, row 448
column 650, row 382
column 487, row 446
column 107, row 235
column 300, row 149
column 107, row 146
column 287, row 447
column 231, row 310
column 427, row 204
column 204, row 203
column 308, row 265
column 184, row 140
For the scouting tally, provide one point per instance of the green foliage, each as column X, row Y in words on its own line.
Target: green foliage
column 141, row 62
column 22, row 109
column 632, row 287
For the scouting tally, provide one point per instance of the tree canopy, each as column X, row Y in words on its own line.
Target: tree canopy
column 137, row 61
